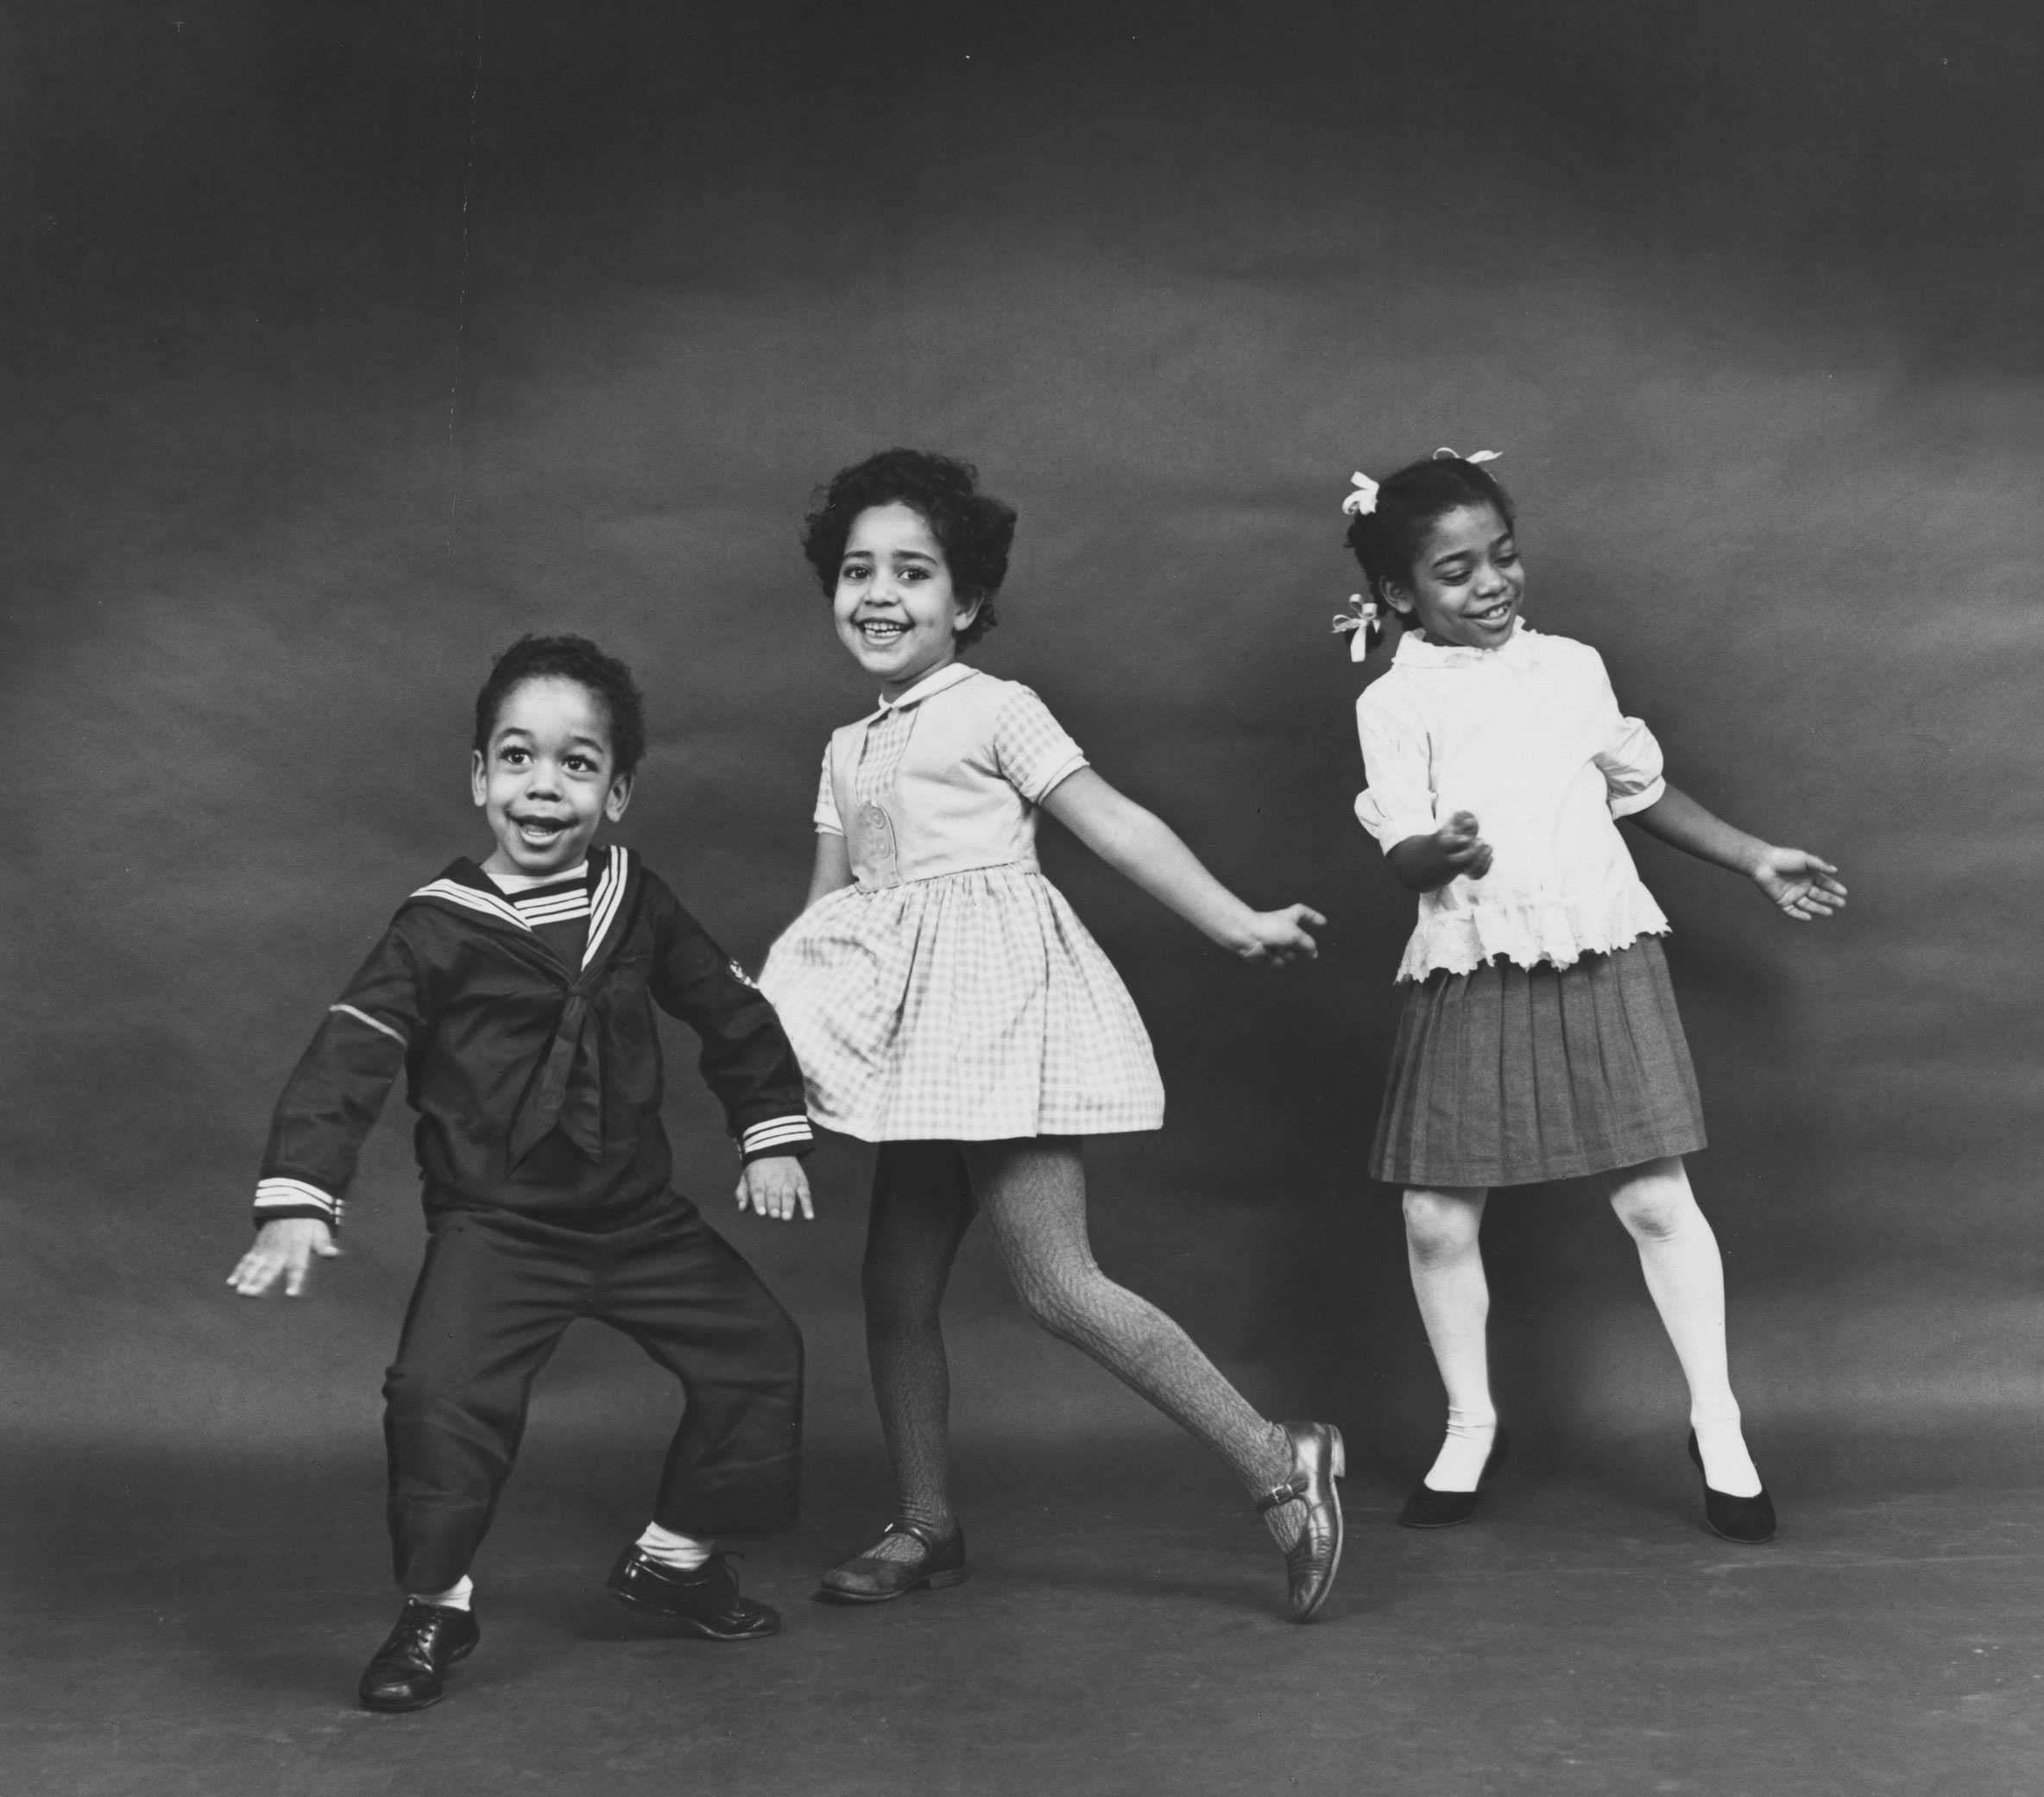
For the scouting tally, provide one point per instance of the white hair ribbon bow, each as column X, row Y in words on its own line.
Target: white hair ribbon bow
column 1480, row 455
column 1363, row 501
column 1362, row 627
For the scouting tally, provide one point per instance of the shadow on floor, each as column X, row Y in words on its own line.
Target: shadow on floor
column 193, row 1623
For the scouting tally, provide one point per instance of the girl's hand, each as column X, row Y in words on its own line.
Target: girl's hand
column 1805, row 886
column 1462, row 851
column 1278, row 936
column 284, row 1249
column 775, row 1186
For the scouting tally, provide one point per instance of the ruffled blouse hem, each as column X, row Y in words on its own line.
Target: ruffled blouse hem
column 1461, row 941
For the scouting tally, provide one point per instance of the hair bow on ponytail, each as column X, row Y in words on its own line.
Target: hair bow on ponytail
column 1448, row 455
column 1362, row 627
column 1363, row 501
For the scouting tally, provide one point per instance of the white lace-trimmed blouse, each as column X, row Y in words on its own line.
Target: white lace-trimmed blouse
column 1529, row 738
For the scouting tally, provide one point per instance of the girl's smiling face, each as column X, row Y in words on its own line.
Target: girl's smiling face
column 895, row 605
column 1468, row 581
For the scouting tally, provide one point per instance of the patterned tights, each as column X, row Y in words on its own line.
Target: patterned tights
column 1033, row 1194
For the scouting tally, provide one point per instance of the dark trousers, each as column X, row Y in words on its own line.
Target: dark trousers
column 492, row 1301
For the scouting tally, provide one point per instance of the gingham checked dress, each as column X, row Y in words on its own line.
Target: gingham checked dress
column 951, row 994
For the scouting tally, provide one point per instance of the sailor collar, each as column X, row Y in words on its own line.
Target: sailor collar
column 467, row 887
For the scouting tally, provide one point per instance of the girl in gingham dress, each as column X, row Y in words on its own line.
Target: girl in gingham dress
column 946, row 1003
column 1540, row 1039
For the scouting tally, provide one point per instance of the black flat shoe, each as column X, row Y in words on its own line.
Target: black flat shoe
column 1425, row 1508
column 706, row 1602
column 1310, row 1563
column 1748, row 1520
column 867, row 1578
column 409, row 1670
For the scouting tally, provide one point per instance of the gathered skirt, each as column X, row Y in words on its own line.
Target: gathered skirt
column 968, row 1007
column 1511, row 1075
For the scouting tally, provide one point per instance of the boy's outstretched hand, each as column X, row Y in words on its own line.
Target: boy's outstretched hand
column 1277, row 937
column 1805, row 886
column 774, row 1185
column 283, row 1249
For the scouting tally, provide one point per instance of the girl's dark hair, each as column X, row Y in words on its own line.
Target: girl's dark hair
column 973, row 528
column 1387, row 541
column 568, row 658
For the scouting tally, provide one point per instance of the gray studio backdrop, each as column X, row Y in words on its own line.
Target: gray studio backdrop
column 358, row 342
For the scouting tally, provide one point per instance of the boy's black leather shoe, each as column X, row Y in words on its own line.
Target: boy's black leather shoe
column 409, row 1670
column 705, row 1602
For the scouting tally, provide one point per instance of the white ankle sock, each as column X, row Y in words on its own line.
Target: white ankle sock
column 682, row 1552
column 1459, row 1464
column 1727, row 1466
column 456, row 1597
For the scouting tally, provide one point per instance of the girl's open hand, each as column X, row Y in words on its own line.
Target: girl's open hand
column 283, row 1250
column 1278, row 936
column 1461, row 849
column 1803, row 886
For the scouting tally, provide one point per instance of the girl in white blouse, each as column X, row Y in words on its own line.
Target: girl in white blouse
column 1539, row 1039
column 946, row 1003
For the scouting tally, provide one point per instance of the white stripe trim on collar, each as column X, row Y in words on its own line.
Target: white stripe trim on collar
column 604, row 901
column 490, row 906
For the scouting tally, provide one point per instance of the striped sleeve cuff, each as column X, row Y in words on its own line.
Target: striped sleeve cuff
column 277, row 1198
column 777, row 1135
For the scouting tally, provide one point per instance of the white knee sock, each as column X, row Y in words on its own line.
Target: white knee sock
column 684, row 1553
column 456, row 1597
column 1686, row 1277
column 1455, row 1304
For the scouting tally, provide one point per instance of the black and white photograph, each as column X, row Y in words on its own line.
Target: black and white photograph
column 1093, row 897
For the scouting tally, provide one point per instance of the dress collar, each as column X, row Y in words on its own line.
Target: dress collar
column 1414, row 651
column 946, row 675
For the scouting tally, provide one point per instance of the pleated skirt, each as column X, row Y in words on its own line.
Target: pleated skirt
column 1513, row 1075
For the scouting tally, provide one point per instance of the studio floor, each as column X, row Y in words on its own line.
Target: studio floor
column 180, row 1625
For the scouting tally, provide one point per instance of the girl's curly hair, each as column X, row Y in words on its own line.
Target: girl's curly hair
column 973, row 528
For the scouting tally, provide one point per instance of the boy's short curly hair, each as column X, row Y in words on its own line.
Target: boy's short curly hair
column 569, row 658
column 1387, row 541
column 974, row 529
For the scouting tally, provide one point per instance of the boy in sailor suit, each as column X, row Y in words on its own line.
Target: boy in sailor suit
column 517, row 997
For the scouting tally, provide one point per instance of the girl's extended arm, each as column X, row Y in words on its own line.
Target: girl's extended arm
column 833, row 869
column 1139, row 843
column 1802, row 885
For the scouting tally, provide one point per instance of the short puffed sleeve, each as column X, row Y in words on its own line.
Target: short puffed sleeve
column 1030, row 747
column 828, row 822
column 1629, row 757
column 1399, row 803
